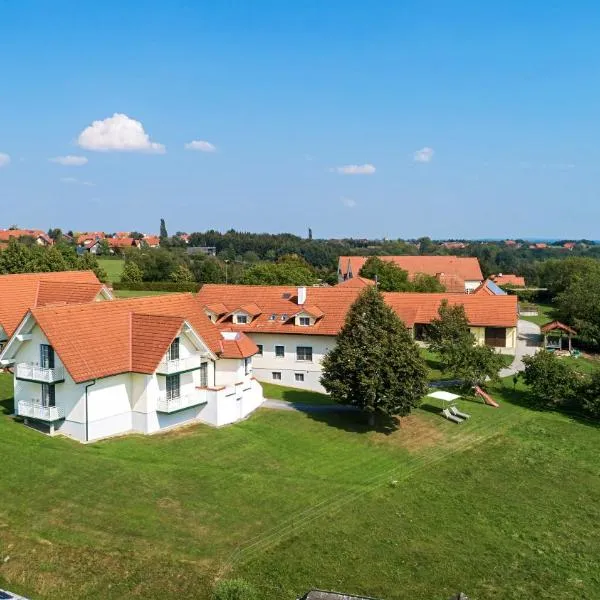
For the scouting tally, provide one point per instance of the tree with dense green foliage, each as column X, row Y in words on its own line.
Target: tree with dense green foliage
column 553, row 383
column 579, row 305
column 288, row 270
column 424, row 283
column 156, row 264
column 131, row 273
column 234, row 589
column 375, row 365
column 450, row 337
column 390, row 277
column 207, row 269
column 23, row 258
column 590, row 395
column 479, row 365
column 163, row 235
column 182, row 274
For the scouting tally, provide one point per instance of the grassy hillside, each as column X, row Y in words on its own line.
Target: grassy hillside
column 502, row 506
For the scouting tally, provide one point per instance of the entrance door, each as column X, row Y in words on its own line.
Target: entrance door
column 495, row 337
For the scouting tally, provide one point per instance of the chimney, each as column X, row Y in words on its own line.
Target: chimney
column 301, row 295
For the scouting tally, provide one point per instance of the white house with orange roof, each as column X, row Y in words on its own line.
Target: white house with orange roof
column 95, row 370
column 456, row 273
column 294, row 328
column 22, row 291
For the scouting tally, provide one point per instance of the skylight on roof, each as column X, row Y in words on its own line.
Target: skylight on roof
column 272, row 317
column 284, row 317
column 286, row 295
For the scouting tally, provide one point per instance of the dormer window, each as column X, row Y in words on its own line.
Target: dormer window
column 284, row 317
column 304, row 321
column 241, row 319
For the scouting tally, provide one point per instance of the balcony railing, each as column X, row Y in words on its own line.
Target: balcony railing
column 178, row 365
column 169, row 405
column 34, row 372
column 34, row 409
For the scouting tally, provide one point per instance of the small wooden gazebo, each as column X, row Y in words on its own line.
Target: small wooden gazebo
column 554, row 333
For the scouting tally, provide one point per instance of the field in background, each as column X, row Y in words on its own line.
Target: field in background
column 501, row 506
column 136, row 293
column 113, row 267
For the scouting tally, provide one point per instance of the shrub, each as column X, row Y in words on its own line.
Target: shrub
column 234, row 589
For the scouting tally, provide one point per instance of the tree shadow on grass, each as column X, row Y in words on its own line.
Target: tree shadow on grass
column 7, row 406
column 354, row 421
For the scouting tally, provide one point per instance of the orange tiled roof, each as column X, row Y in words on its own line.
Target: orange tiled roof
column 90, row 235
column 481, row 309
column 453, row 284
column 5, row 235
column 237, row 345
column 121, row 242
column 466, row 268
column 152, row 240
column 508, row 279
column 278, row 304
column 107, row 338
column 20, row 292
column 358, row 282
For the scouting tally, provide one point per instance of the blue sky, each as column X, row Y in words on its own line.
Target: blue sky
column 367, row 119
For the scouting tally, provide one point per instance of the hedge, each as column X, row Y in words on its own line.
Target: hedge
column 157, row 286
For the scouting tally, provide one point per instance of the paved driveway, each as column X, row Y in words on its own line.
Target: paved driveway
column 529, row 340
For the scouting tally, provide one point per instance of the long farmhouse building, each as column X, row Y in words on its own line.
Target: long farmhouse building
column 295, row 327
column 457, row 274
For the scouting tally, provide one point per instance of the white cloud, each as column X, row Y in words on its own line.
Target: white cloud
column 348, row 202
column 4, row 159
column 367, row 169
column 75, row 181
column 424, row 155
column 118, row 133
column 201, row 146
column 69, row 160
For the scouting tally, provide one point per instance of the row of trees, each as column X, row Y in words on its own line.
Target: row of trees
column 17, row 257
column 161, row 264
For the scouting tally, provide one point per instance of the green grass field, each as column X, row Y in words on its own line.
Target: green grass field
column 505, row 506
column 113, row 268
column 545, row 315
column 136, row 293
column 288, row 394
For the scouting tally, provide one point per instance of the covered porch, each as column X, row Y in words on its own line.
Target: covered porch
column 554, row 334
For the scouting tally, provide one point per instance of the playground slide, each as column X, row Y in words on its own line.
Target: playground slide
column 486, row 397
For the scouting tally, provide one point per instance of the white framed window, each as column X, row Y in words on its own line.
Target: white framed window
column 241, row 319
column 304, row 321
column 204, row 375
column 299, row 377
column 247, row 366
column 260, row 349
column 304, row 353
column 173, row 353
column 173, row 387
column 276, row 375
column 280, row 351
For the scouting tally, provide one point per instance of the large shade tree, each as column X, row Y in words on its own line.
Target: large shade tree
column 375, row 364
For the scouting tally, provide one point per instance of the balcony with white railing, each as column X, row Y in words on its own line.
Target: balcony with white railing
column 34, row 409
column 34, row 372
column 179, row 365
column 169, row 405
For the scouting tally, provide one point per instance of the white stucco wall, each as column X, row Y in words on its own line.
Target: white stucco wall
column 127, row 402
column 265, row 365
column 473, row 284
